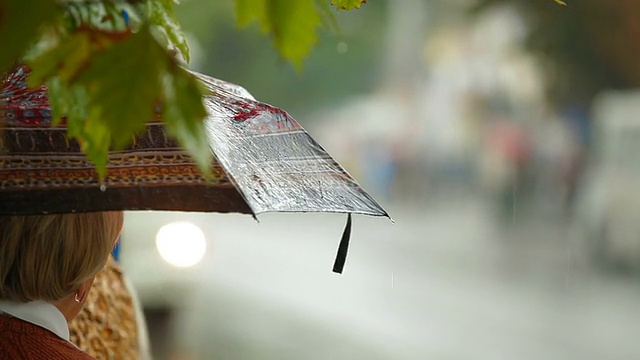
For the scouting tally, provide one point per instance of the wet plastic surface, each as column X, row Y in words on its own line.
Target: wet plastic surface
column 273, row 161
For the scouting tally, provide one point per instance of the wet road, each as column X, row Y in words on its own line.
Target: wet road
column 440, row 283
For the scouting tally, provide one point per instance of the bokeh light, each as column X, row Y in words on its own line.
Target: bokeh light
column 181, row 244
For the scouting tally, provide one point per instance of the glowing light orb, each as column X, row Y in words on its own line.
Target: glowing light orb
column 181, row 243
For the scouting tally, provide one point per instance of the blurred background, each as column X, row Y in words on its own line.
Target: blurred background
column 503, row 137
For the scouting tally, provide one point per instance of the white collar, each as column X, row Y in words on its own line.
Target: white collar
column 41, row 313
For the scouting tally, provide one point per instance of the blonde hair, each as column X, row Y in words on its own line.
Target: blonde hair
column 47, row 257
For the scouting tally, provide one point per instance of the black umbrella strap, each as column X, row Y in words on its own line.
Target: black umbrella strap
column 341, row 257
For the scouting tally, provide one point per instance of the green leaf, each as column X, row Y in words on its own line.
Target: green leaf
column 108, row 85
column 294, row 28
column 183, row 113
column 20, row 26
column 107, row 82
column 94, row 136
column 348, row 4
column 64, row 60
column 163, row 17
column 248, row 11
column 292, row 24
column 71, row 56
column 67, row 102
column 122, row 85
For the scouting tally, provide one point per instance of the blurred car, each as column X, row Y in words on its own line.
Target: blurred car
column 608, row 207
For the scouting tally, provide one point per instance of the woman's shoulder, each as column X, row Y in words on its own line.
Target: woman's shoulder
column 22, row 340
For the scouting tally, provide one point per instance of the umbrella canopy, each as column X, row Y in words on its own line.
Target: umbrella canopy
column 265, row 161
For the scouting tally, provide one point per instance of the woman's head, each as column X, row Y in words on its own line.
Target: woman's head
column 48, row 257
